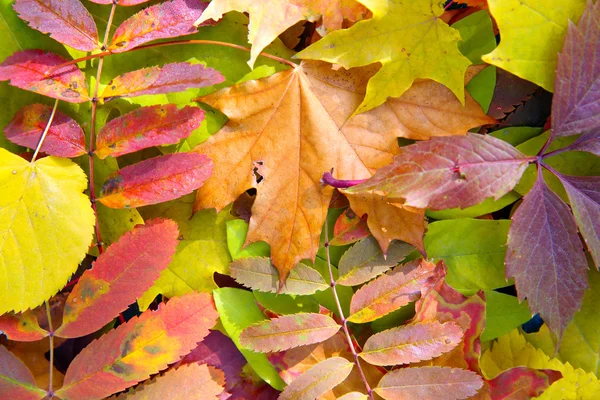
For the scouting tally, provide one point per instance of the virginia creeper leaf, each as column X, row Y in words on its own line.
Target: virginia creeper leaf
column 156, row 180
column 546, row 258
column 16, row 381
column 139, row 348
column 365, row 261
column 450, row 172
column 523, row 26
column 174, row 77
column 576, row 109
column 41, row 204
column 411, row 343
column 390, row 291
column 118, row 277
column 439, row 383
column 67, row 21
column 259, row 274
column 27, row 70
column 146, row 127
column 165, row 20
column 589, row 141
column 318, row 380
column 288, row 331
column 23, row 327
column 349, row 228
column 522, row 382
column 65, row 137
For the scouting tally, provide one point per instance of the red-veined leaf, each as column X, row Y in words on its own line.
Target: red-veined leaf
column 16, row 381
column 576, row 106
column 411, row 343
column 23, row 327
column 390, row 291
column 349, row 228
column 438, row 383
column 192, row 381
column 156, row 180
column 545, row 256
column 139, row 348
column 522, row 383
column 65, row 137
column 124, row 3
column 288, row 331
column 118, row 277
column 258, row 273
column 27, row 70
column 365, row 260
column 589, row 142
column 450, row 172
column 173, row 77
column 165, row 20
column 318, row 380
column 67, row 21
column 146, row 127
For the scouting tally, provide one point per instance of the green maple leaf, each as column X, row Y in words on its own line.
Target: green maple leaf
column 410, row 41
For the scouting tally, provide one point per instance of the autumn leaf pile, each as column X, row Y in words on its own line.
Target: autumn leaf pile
column 299, row 199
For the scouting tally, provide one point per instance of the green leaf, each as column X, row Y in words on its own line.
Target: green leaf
column 516, row 135
column 238, row 310
column 477, row 35
column 503, row 313
column 286, row 303
column 473, row 250
column 237, row 230
column 482, row 87
column 488, row 206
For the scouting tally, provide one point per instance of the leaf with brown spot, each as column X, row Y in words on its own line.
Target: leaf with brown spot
column 23, row 327
column 349, row 228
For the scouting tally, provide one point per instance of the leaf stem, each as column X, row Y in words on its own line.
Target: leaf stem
column 332, row 283
column 51, row 339
column 328, row 179
column 46, row 129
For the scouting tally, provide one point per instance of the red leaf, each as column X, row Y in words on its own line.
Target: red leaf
column 65, row 137
column 26, row 70
column 318, row 380
column 124, row 3
column 546, row 258
column 118, row 277
column 450, row 172
column 575, row 108
column 23, row 327
column 349, row 228
column 165, row 20
column 156, row 180
column 522, row 383
column 16, row 381
column 147, row 127
column 139, row 348
column 67, row 21
column 173, row 77
column 438, row 383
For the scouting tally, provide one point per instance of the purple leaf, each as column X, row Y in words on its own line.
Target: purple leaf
column 124, row 3
column 67, row 21
column 576, row 104
column 589, row 142
column 546, row 258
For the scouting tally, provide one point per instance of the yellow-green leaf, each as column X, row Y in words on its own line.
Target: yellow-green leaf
column 46, row 226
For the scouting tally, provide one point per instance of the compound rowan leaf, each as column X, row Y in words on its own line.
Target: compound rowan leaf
column 16, row 381
column 395, row 37
column 139, row 348
column 41, row 204
column 65, row 137
column 440, row 383
column 349, row 228
column 165, row 20
column 365, row 260
column 146, row 127
column 27, row 70
column 174, row 77
column 450, row 172
column 156, row 180
column 353, row 396
column 390, row 291
column 23, row 327
column 118, row 277
column 522, row 382
column 522, row 25
column 67, row 21
column 318, row 380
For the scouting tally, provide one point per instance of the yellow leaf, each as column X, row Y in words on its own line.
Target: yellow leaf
column 531, row 34
column 46, row 226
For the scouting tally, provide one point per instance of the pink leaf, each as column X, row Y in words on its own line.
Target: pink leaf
column 124, row 3
column 67, row 21
column 522, row 383
column 16, row 381
column 349, row 228
column 27, row 70
column 173, row 77
column 23, row 327
column 147, row 127
column 65, row 137
column 318, row 380
column 156, row 180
